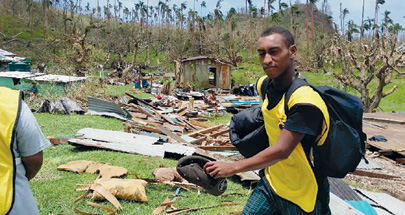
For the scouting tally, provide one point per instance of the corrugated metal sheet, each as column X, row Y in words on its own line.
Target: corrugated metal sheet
column 383, row 200
column 105, row 108
column 128, row 142
column 41, row 77
column 56, row 78
column 342, row 190
column 17, row 74
column 6, row 53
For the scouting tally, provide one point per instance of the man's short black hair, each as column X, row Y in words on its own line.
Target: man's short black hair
column 289, row 39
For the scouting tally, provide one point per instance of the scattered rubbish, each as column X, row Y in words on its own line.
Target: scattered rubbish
column 378, row 138
column 64, row 105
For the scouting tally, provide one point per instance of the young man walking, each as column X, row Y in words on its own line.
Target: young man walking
column 288, row 184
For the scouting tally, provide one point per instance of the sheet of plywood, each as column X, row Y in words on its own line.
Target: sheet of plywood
column 394, row 133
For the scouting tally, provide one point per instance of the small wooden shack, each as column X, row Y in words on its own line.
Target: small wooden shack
column 203, row 72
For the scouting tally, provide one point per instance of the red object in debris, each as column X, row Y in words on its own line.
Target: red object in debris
column 158, row 97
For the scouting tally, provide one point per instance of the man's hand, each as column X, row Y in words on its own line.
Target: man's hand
column 32, row 164
column 219, row 169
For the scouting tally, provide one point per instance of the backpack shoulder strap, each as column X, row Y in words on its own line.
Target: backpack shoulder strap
column 297, row 83
column 262, row 84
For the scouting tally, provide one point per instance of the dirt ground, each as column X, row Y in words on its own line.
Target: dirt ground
column 395, row 186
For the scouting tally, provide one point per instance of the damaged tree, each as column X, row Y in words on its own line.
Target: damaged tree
column 82, row 50
column 126, row 71
column 363, row 63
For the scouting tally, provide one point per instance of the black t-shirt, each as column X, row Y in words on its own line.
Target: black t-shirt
column 301, row 118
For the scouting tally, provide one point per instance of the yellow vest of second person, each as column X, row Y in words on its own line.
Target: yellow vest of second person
column 9, row 108
column 293, row 178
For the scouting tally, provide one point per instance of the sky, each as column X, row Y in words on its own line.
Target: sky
column 396, row 7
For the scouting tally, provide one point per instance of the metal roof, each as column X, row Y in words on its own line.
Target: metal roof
column 41, row 77
column 215, row 59
column 6, row 53
column 17, row 74
column 56, row 78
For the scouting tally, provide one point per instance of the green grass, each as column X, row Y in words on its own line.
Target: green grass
column 14, row 26
column 55, row 190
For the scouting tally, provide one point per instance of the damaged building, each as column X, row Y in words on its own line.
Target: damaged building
column 203, row 72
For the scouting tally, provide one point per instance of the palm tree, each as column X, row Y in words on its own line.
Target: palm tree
column 344, row 14
column 351, row 29
column 203, row 5
column 386, row 21
column 377, row 3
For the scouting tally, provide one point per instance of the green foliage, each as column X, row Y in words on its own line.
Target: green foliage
column 14, row 26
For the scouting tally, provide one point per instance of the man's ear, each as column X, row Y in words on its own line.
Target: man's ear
column 293, row 51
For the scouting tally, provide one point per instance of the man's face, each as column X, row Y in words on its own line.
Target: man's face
column 275, row 56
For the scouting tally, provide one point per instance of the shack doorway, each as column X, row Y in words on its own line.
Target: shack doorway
column 212, row 77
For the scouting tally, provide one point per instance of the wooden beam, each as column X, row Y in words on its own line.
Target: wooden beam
column 216, row 134
column 140, row 109
column 372, row 174
column 205, row 131
column 153, row 109
column 218, row 148
column 171, row 134
column 197, row 123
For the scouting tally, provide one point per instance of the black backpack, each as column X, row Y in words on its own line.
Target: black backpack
column 345, row 144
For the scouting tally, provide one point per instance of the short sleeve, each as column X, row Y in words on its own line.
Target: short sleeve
column 29, row 137
column 304, row 118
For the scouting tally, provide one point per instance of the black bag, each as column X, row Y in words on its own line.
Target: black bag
column 345, row 144
column 247, row 132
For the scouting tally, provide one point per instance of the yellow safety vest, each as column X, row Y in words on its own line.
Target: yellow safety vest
column 293, row 178
column 9, row 109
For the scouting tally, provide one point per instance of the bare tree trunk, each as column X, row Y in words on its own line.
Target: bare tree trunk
column 264, row 15
column 323, row 15
column 375, row 18
column 306, row 24
column 312, row 22
column 147, row 34
column 3, row 17
column 361, row 24
column 132, row 66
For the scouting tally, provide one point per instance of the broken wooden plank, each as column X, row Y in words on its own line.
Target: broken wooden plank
column 182, row 110
column 138, row 115
column 372, row 174
column 205, row 131
column 218, row 148
column 199, row 124
column 378, row 119
column 178, row 211
column 216, row 134
column 187, row 123
column 153, row 109
column 174, row 128
column 146, row 128
column 147, row 122
column 171, row 134
column 57, row 141
column 140, row 109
